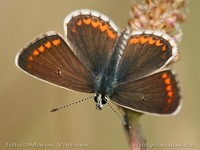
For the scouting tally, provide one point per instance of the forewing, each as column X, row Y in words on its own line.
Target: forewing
column 157, row 94
column 91, row 36
column 145, row 53
column 49, row 58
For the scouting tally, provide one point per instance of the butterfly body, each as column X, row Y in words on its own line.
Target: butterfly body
column 130, row 68
column 109, row 78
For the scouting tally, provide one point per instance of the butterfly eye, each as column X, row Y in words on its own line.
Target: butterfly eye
column 96, row 97
column 104, row 99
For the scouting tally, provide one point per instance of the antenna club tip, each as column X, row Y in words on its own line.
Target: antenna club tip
column 53, row 110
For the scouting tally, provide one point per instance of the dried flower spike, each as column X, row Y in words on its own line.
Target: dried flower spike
column 163, row 15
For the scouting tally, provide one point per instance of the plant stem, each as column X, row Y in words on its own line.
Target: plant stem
column 132, row 129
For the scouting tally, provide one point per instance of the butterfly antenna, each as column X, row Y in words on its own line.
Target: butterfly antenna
column 116, row 112
column 61, row 107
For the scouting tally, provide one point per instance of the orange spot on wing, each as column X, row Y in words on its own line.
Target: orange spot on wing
column 95, row 23
column 151, row 41
column 30, row 58
column 47, row 44
column 164, row 75
column 163, row 56
column 41, row 49
column 170, row 94
column 29, row 66
column 169, row 88
column 134, row 40
column 73, row 29
column 111, row 34
column 164, row 48
column 166, row 108
column 143, row 39
column 103, row 26
column 35, row 53
column 79, row 22
column 169, row 100
column 87, row 21
column 158, row 43
column 167, row 81
column 56, row 42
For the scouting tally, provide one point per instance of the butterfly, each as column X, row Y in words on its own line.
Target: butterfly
column 130, row 68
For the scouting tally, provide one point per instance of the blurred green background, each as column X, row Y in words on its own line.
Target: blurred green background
column 25, row 101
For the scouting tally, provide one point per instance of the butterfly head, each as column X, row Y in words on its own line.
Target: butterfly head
column 100, row 100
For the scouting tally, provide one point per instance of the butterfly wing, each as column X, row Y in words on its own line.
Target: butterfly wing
column 91, row 36
column 144, row 54
column 49, row 58
column 157, row 94
column 77, row 63
column 140, row 86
